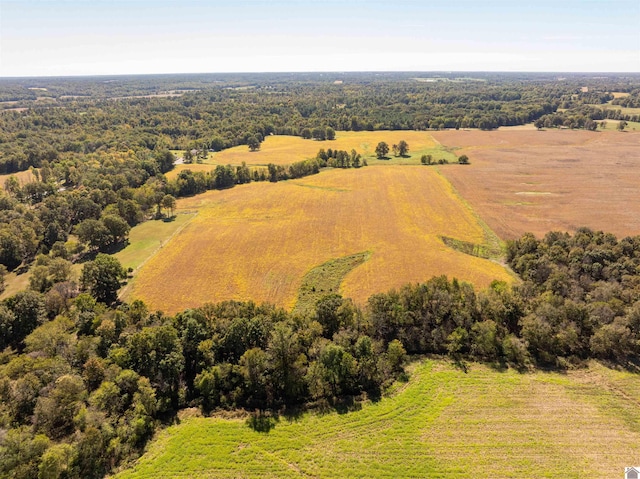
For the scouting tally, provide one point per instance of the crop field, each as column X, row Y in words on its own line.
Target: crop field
column 539, row 181
column 284, row 150
column 258, row 241
column 444, row 423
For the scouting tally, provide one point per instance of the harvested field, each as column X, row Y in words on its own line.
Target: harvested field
column 538, row 181
column 445, row 423
column 257, row 241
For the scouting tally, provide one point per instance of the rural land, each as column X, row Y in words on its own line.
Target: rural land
column 320, row 275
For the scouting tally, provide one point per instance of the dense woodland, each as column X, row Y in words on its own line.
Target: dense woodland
column 85, row 380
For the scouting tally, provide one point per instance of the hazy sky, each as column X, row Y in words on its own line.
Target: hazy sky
column 84, row 37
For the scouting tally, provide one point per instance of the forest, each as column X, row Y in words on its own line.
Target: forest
column 84, row 384
column 85, row 380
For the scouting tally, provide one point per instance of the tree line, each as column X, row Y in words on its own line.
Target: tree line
column 84, row 381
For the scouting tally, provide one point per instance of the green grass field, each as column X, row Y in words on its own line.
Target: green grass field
column 612, row 125
column 146, row 238
column 444, row 423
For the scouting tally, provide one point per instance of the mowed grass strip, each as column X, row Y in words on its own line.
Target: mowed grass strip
column 444, row 423
column 325, row 279
column 257, row 241
column 147, row 238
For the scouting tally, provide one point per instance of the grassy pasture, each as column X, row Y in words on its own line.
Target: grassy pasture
column 444, row 423
column 147, row 238
column 612, row 125
column 258, row 241
column 539, row 181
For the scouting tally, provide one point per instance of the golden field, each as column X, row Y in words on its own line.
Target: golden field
column 284, row 150
column 257, row 241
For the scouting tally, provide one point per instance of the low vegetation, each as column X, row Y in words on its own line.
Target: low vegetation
column 445, row 423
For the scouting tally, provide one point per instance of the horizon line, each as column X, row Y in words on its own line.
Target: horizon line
column 293, row 72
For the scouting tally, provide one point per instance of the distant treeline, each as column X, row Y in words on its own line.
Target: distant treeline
column 88, row 116
column 83, row 385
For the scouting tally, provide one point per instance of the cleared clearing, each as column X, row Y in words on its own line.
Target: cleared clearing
column 444, row 423
column 539, row 181
column 257, row 241
column 23, row 178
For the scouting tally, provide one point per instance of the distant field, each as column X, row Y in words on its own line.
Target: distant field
column 444, row 423
column 539, row 181
column 258, row 241
column 193, row 167
column 612, row 125
column 284, row 150
column 23, row 178
column 623, row 109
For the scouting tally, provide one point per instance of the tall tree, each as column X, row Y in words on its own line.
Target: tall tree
column 403, row 148
column 381, row 150
column 103, row 277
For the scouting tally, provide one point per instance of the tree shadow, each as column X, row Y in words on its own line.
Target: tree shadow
column 262, row 421
column 169, row 219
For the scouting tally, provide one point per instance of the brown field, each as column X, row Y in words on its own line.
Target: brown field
column 539, row 181
column 257, row 241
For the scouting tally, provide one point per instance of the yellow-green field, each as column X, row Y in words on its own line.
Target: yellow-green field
column 284, row 150
column 147, row 238
column 257, row 241
column 612, row 125
column 444, row 423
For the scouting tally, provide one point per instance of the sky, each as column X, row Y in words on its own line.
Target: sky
column 99, row 37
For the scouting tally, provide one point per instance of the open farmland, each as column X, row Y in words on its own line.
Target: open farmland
column 257, row 241
column 539, row 181
column 444, row 423
column 284, row 150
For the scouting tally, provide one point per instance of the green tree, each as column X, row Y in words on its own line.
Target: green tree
column 622, row 125
column 28, row 309
column 165, row 160
column 463, row 159
column 253, row 142
column 169, row 203
column 330, row 133
column 117, row 227
column 94, row 233
column 381, row 150
column 403, row 148
column 286, row 360
column 103, row 277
